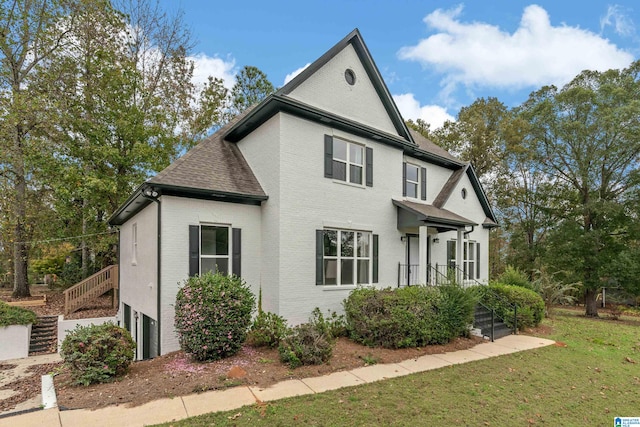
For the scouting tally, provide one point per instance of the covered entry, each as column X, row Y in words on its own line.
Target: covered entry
column 421, row 225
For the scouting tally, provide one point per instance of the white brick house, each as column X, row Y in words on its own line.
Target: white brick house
column 318, row 188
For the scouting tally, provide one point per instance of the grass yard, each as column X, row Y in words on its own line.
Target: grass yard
column 588, row 382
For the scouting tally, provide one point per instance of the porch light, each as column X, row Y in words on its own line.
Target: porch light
column 436, row 240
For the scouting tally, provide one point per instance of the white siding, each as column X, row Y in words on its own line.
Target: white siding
column 328, row 90
column 261, row 149
column 177, row 214
column 437, row 177
column 138, row 286
column 308, row 202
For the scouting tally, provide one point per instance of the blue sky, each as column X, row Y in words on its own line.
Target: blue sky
column 434, row 56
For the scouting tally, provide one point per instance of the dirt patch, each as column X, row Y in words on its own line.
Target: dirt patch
column 175, row 374
column 27, row 387
column 101, row 307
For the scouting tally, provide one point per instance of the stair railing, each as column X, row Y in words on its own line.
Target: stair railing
column 91, row 288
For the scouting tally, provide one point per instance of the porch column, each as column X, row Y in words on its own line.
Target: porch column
column 422, row 254
column 459, row 260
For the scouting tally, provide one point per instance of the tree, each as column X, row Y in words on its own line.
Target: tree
column 126, row 107
column 476, row 135
column 251, row 87
column 423, row 128
column 586, row 139
column 29, row 37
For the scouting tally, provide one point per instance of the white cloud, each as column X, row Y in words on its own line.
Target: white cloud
column 294, row 73
column 621, row 23
column 482, row 55
column 410, row 108
column 205, row 66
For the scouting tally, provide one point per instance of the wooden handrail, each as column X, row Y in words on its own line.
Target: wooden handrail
column 79, row 295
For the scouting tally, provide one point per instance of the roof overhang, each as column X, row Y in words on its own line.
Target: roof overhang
column 429, row 215
column 148, row 192
column 275, row 103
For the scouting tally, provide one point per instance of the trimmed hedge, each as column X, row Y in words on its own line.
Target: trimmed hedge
column 408, row 317
column 10, row 315
column 530, row 304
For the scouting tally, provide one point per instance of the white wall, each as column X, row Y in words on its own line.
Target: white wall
column 328, row 90
column 15, row 341
column 437, row 177
column 309, row 202
column 261, row 150
column 138, row 278
column 177, row 214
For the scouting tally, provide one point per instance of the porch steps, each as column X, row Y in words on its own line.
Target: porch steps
column 482, row 321
column 44, row 335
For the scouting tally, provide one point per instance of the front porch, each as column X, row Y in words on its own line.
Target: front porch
column 437, row 274
column 439, row 247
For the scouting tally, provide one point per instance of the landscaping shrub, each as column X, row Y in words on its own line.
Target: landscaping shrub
column 306, row 345
column 500, row 297
column 456, row 310
column 333, row 324
column 267, row 330
column 516, row 277
column 408, row 317
column 97, row 353
column 213, row 312
column 10, row 315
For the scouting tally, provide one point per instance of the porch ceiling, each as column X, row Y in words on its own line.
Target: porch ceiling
column 432, row 216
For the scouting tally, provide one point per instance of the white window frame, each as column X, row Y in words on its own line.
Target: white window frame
column 338, row 258
column 134, row 244
column 470, row 260
column 348, row 162
column 408, row 181
column 229, row 248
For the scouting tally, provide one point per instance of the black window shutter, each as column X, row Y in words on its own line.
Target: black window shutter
column 423, row 183
column 236, row 241
column 319, row 257
column 477, row 260
column 375, row 259
column 404, row 179
column 369, row 165
column 194, row 250
column 328, row 156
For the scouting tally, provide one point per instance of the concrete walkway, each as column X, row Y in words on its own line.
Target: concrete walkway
column 167, row 410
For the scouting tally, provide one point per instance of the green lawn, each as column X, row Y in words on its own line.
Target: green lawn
column 587, row 383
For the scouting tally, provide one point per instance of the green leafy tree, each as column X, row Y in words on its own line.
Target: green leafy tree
column 476, row 135
column 586, row 140
column 30, row 35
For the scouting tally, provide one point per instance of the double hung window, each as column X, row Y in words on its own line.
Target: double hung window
column 347, row 257
column 348, row 161
column 214, row 249
column 414, row 181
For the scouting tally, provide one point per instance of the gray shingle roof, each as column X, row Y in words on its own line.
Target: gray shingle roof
column 431, row 213
column 428, row 146
column 213, row 165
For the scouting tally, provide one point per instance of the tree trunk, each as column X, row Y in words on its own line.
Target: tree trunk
column 83, row 244
column 20, row 253
column 590, row 302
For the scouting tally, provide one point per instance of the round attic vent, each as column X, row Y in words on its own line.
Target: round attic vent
column 350, row 76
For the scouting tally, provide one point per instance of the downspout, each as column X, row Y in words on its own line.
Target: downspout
column 466, row 233
column 151, row 194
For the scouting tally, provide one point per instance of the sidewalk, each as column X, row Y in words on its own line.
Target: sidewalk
column 167, row 410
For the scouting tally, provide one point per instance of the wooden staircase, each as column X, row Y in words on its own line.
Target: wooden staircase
column 85, row 292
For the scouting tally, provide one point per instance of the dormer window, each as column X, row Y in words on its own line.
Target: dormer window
column 414, row 181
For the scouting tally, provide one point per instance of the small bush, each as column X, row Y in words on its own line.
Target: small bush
column 267, row 330
column 97, row 353
column 213, row 312
column 500, row 297
column 333, row 324
column 10, row 315
column 515, row 277
column 305, row 345
column 408, row 317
